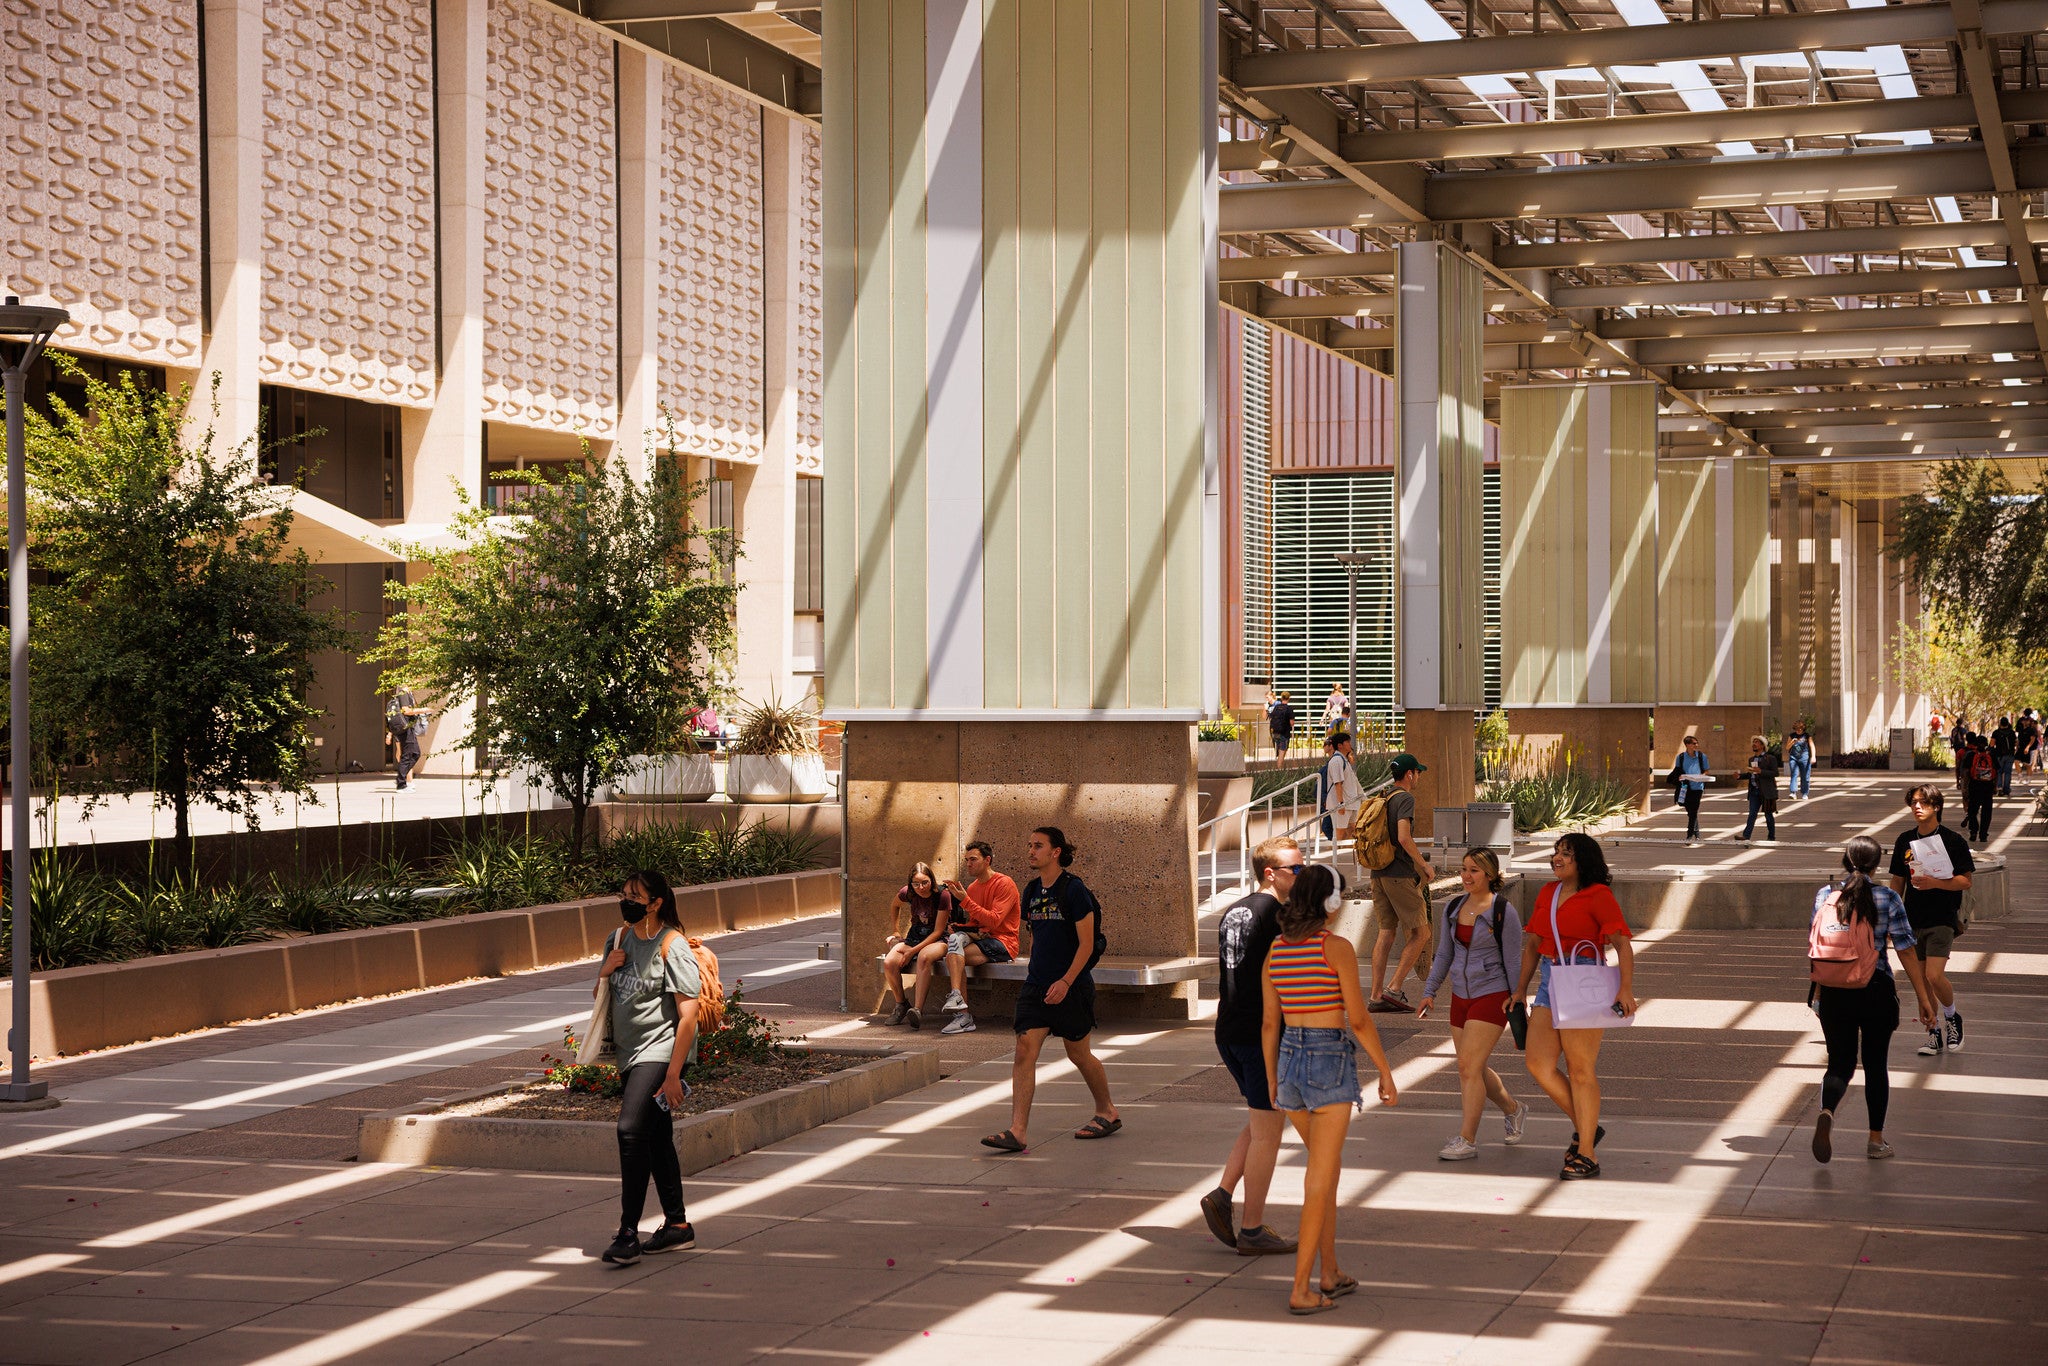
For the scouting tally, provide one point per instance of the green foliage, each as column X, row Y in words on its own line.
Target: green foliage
column 744, row 1039
column 1491, row 745
column 1561, row 800
column 1220, row 728
column 497, row 871
column 590, row 629
column 174, row 639
column 1979, row 548
column 179, row 913
column 69, row 919
column 1964, row 674
column 772, row 728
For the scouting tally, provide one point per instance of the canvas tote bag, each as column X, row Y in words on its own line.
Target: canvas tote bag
column 1582, row 993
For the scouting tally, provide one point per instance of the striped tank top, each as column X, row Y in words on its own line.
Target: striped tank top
column 1303, row 977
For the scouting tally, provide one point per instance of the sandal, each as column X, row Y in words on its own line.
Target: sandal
column 1599, row 1133
column 1323, row 1305
column 1005, row 1142
column 1098, row 1127
column 1344, row 1286
column 1577, row 1168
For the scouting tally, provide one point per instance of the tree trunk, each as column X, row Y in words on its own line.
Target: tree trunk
column 181, row 835
column 579, row 807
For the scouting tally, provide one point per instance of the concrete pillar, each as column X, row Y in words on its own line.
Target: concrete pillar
column 444, row 445
column 1019, row 304
column 1788, row 612
column 765, row 494
column 234, row 229
column 1578, row 572
column 1713, row 597
column 1439, row 470
column 1827, row 646
column 641, row 194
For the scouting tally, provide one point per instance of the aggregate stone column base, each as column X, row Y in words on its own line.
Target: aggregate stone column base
column 1123, row 791
column 1442, row 737
column 1609, row 739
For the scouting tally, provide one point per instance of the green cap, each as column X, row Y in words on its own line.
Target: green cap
column 1403, row 764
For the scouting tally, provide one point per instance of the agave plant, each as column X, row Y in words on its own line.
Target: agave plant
column 772, row 728
column 70, row 920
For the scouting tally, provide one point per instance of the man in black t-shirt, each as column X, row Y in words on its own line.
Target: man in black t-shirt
column 1280, row 716
column 2005, row 747
column 1935, row 908
column 1243, row 936
column 1058, row 995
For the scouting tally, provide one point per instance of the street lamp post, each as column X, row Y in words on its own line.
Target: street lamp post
column 1353, row 561
column 31, row 325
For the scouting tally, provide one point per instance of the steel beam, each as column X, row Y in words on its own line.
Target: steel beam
column 1335, row 266
column 1789, row 439
column 1621, row 45
column 1365, row 305
column 1874, row 426
column 2006, row 175
column 1842, row 402
column 1748, row 246
column 1858, row 377
column 616, row 11
column 1869, row 345
column 1814, row 323
column 1776, row 287
column 720, row 51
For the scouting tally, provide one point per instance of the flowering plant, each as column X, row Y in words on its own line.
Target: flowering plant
column 596, row 1079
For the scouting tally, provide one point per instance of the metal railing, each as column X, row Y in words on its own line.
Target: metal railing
column 1316, row 846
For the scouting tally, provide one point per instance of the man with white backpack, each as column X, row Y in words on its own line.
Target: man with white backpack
column 1853, row 920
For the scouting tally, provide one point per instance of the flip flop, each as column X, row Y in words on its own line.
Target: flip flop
column 1323, row 1305
column 1344, row 1286
column 1098, row 1127
column 1004, row 1142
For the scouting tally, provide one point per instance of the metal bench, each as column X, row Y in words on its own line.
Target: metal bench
column 1118, row 971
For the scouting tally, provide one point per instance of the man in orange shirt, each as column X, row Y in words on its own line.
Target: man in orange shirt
column 988, row 911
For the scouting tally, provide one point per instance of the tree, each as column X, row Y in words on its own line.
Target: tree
column 1963, row 675
column 587, row 630
column 1979, row 549
column 174, row 641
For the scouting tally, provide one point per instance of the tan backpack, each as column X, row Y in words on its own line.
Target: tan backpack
column 1375, row 842
column 710, row 991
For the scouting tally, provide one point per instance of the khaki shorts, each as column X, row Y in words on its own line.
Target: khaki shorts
column 1399, row 904
column 1933, row 942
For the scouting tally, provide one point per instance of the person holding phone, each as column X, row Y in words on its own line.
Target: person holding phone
column 987, row 911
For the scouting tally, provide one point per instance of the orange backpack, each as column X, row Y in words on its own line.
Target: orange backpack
column 710, row 991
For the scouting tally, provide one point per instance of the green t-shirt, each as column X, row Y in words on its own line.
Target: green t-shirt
column 644, row 991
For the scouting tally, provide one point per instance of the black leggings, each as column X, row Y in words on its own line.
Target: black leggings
column 1692, row 810
column 1870, row 1011
column 1977, row 810
column 647, row 1148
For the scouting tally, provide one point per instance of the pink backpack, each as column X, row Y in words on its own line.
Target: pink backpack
column 1840, row 952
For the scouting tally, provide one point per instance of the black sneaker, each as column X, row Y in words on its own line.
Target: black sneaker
column 913, row 1020
column 1955, row 1032
column 1216, row 1213
column 625, row 1249
column 672, row 1238
column 902, row 1009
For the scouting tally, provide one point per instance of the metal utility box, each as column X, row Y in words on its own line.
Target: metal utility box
column 1491, row 825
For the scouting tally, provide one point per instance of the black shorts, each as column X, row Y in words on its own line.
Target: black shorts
column 1247, row 1064
column 992, row 948
column 1072, row 1018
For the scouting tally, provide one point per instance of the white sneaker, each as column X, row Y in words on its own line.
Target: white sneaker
column 1459, row 1149
column 1513, row 1123
column 954, row 1001
column 962, row 1023
column 1936, row 1044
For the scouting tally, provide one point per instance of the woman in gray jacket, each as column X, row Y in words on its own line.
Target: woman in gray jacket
column 1478, row 935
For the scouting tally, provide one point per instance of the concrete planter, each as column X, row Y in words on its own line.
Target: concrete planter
column 429, row 1138
column 1219, row 758
column 507, row 789
column 796, row 778
column 670, row 777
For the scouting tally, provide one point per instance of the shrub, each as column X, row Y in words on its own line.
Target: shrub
column 1561, row 799
column 70, row 921
column 743, row 1039
column 1221, row 728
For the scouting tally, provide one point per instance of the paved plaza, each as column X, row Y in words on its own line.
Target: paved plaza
column 196, row 1200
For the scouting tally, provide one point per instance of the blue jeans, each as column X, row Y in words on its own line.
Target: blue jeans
column 1756, row 804
column 1801, row 775
column 2004, row 775
column 1318, row 1067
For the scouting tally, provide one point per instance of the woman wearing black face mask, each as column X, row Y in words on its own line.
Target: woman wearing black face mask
column 654, row 982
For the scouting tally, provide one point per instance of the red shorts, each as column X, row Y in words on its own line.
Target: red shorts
column 1492, row 1008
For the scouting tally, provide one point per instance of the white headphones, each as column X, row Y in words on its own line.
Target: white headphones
column 1334, row 902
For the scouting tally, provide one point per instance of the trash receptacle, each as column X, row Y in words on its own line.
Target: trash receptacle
column 1491, row 825
column 1903, row 738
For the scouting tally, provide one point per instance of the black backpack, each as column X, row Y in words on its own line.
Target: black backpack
column 397, row 722
column 1101, row 939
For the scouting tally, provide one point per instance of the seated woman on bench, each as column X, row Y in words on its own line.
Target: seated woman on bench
column 922, row 944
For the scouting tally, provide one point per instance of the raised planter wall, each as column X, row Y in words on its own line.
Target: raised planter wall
column 703, row 1140
column 107, row 1005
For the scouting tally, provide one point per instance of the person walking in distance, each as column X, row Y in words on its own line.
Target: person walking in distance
column 1858, row 1018
column 1578, row 908
column 1339, row 787
column 2005, row 748
column 1959, row 741
column 1243, row 936
column 1763, row 788
column 1689, row 776
column 1980, row 788
column 1799, row 762
column 1400, row 893
column 1313, row 1024
column 1934, row 906
column 1280, row 718
column 921, row 945
column 1336, row 710
column 1058, row 996
column 655, row 983
column 989, row 905
column 405, row 720
column 1477, row 946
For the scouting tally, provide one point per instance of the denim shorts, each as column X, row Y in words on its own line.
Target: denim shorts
column 1542, row 985
column 1318, row 1067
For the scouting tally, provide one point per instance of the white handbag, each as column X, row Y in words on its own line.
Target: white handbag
column 596, row 1044
column 1583, row 994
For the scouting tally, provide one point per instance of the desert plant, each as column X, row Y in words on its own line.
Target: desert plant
column 1561, row 799
column 70, row 920
column 498, row 871
column 772, row 727
column 1218, row 728
column 179, row 913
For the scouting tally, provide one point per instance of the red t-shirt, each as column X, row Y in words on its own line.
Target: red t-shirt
column 1590, row 914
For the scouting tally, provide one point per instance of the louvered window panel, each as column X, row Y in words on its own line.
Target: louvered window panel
column 1257, row 494
column 1314, row 517
column 1490, row 553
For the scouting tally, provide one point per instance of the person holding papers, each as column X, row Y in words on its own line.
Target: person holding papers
column 1931, row 868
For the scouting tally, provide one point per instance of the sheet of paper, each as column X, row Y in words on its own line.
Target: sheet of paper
column 1930, row 857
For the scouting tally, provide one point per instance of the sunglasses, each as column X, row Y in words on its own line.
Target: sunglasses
column 1289, row 867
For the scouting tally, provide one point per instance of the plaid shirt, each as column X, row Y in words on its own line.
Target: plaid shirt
column 1891, row 910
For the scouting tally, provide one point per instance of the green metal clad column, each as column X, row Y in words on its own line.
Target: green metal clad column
column 1021, row 513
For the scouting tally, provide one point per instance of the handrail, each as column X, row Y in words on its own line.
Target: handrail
column 1313, row 822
